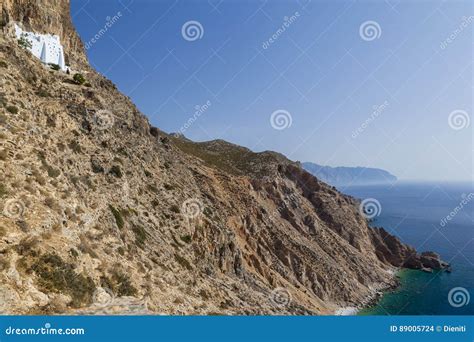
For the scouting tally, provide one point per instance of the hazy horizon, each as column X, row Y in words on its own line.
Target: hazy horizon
column 386, row 86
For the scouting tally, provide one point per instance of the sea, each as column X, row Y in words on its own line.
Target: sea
column 429, row 216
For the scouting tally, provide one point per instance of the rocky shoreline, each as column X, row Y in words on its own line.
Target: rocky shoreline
column 97, row 198
column 429, row 262
column 426, row 261
column 373, row 298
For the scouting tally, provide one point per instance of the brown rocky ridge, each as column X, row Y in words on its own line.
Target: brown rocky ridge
column 102, row 213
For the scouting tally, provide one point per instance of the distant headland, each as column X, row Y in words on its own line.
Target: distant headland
column 343, row 176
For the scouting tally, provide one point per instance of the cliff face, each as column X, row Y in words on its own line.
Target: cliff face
column 103, row 213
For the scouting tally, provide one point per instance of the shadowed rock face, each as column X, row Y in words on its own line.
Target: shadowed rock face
column 392, row 250
column 103, row 213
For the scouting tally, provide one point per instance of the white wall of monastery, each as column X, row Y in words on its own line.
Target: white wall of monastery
column 46, row 47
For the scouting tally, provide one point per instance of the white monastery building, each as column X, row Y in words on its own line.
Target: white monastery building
column 46, row 47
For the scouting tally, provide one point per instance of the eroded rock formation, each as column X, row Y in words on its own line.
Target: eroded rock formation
column 98, row 204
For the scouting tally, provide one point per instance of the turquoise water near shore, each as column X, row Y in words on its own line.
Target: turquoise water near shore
column 414, row 212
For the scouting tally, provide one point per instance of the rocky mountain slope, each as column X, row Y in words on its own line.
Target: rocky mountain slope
column 344, row 176
column 102, row 213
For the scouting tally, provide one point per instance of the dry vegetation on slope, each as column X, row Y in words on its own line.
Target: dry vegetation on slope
column 95, row 207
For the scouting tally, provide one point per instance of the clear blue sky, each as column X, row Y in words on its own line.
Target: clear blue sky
column 319, row 69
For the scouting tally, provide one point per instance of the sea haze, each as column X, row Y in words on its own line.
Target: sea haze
column 414, row 212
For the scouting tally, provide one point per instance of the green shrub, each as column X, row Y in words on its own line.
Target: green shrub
column 3, row 190
column 118, row 216
column 12, row 109
column 42, row 93
column 123, row 285
column 75, row 147
column 116, row 171
column 168, row 186
column 183, row 262
column 55, row 275
column 208, row 212
column 74, row 253
column 96, row 167
column 4, row 262
column 175, row 209
column 52, row 172
column 51, row 122
column 3, row 64
column 23, row 225
column 140, row 236
column 54, row 66
column 186, row 238
column 79, row 79
column 50, row 202
column 153, row 188
column 204, row 294
column 24, row 42
column 27, row 247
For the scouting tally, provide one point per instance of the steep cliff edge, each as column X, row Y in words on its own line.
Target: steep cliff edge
column 100, row 212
